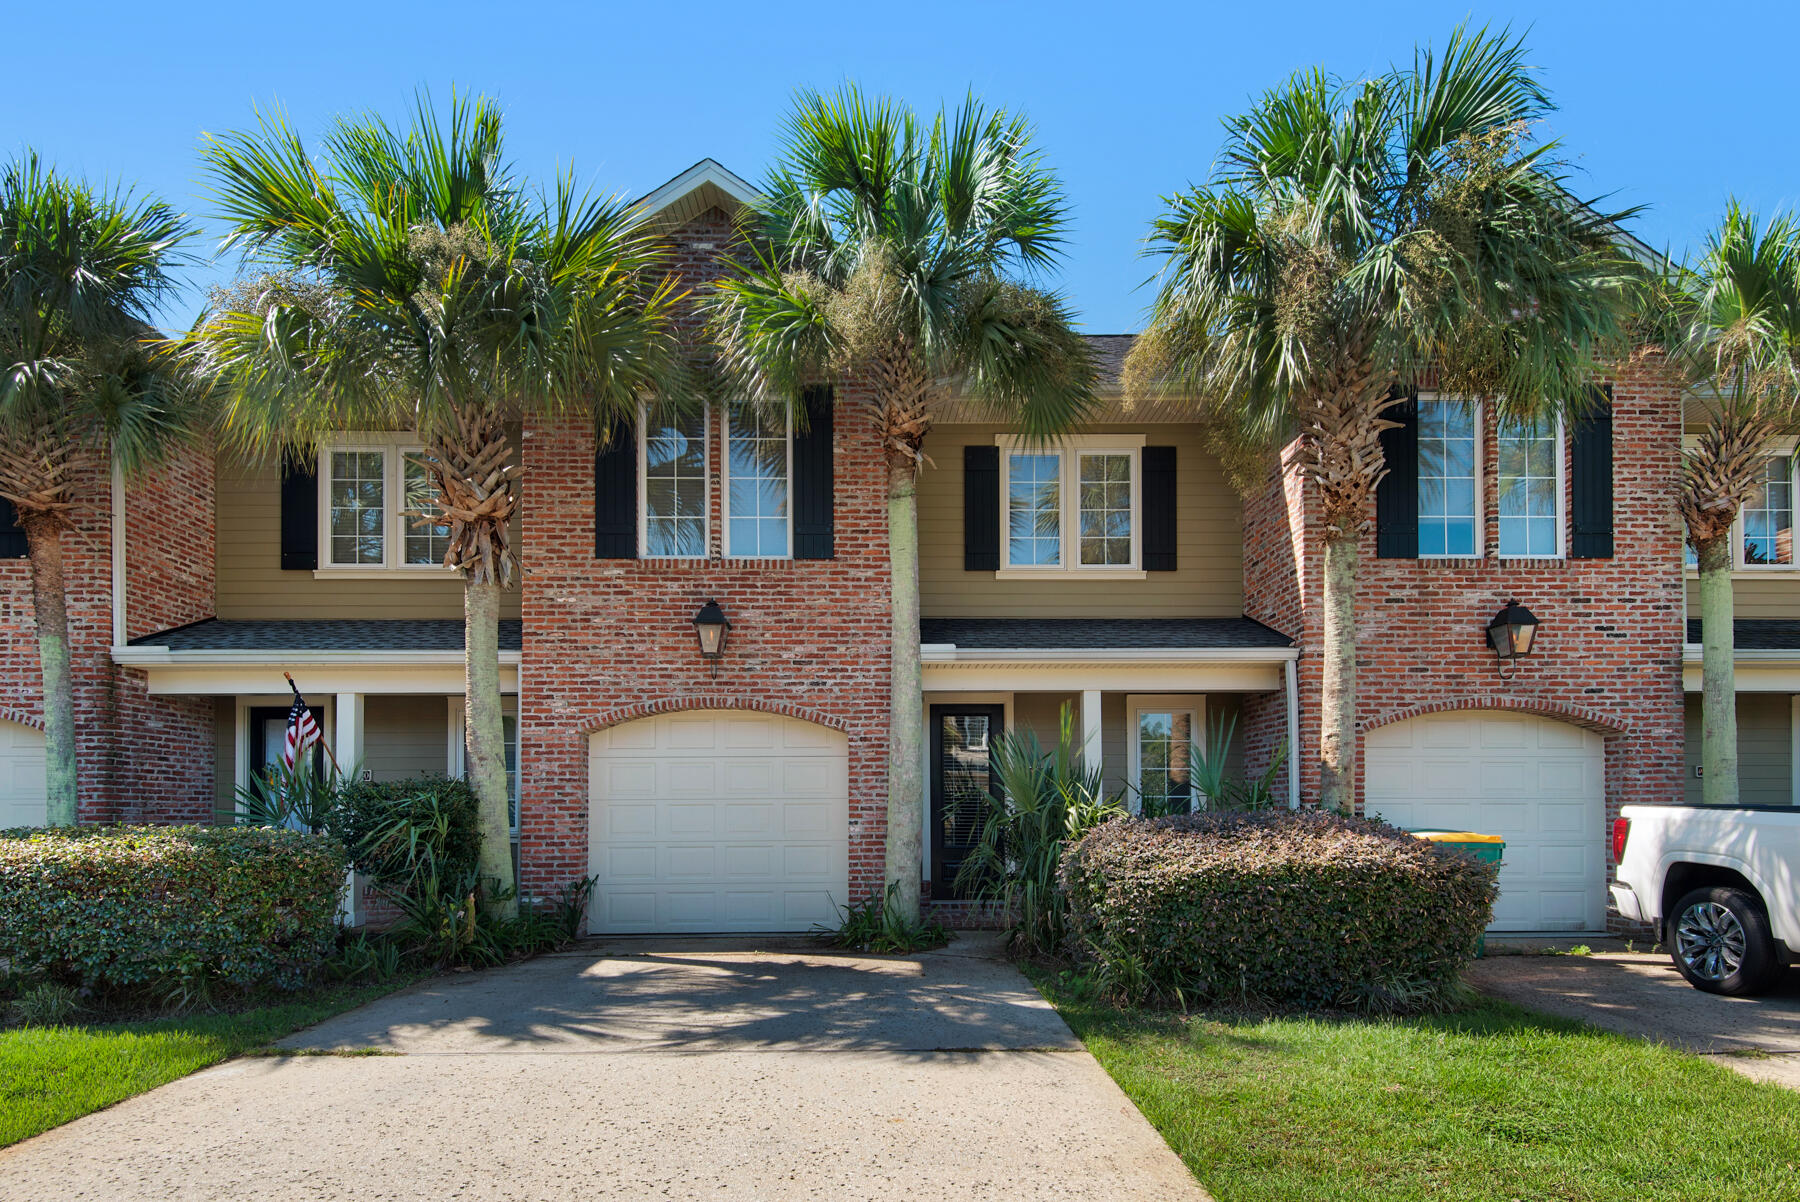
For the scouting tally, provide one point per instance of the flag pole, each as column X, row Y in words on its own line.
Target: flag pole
column 323, row 741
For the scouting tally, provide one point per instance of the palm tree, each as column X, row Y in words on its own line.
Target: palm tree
column 86, row 383
column 1357, row 238
column 408, row 281
column 898, row 255
column 1733, row 327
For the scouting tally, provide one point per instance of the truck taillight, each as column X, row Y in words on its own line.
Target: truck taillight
column 1621, row 828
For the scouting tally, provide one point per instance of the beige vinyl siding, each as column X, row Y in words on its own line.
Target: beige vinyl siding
column 1771, row 594
column 405, row 736
column 1208, row 581
column 1040, row 714
column 251, row 583
column 224, row 758
column 1765, row 749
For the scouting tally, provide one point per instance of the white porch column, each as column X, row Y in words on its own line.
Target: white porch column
column 1090, row 727
column 347, row 746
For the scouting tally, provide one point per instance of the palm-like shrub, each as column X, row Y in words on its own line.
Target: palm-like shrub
column 1356, row 239
column 406, row 279
column 897, row 253
column 1733, row 328
column 86, row 383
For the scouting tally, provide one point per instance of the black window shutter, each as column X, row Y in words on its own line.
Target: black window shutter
column 12, row 539
column 1397, row 496
column 1159, row 509
column 981, row 508
column 299, row 514
column 1591, row 479
column 814, row 475
column 616, row 495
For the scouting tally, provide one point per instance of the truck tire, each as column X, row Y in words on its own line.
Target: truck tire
column 1720, row 941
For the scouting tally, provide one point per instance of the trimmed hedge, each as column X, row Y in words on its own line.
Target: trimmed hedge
column 169, row 907
column 1277, row 906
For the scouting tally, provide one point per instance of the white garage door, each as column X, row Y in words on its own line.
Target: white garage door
column 718, row 820
column 22, row 789
column 1536, row 782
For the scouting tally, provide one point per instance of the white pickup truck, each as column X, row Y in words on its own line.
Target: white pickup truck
column 1721, row 884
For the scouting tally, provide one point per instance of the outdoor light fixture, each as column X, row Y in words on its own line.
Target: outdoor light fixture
column 710, row 626
column 1512, row 631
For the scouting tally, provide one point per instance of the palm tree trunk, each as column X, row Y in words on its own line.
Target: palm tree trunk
column 1337, row 726
column 906, row 727
column 1718, row 698
column 484, row 732
column 44, row 541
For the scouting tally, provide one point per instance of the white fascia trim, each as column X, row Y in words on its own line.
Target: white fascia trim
column 1692, row 653
column 158, row 657
column 949, row 653
column 706, row 171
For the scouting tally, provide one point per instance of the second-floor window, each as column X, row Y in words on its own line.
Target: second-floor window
column 379, row 502
column 675, row 494
column 1768, row 521
column 1530, row 489
column 1447, row 513
column 759, row 463
column 1071, row 507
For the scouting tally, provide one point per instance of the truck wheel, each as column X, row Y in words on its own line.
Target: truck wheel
column 1719, row 938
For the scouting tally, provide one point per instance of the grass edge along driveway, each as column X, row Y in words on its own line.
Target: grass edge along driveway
column 51, row 1075
column 1490, row 1102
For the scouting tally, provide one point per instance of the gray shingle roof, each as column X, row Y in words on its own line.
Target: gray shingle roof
column 1757, row 634
column 324, row 635
column 1109, row 355
column 1089, row 634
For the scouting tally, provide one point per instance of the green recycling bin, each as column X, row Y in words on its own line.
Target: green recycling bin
column 1489, row 849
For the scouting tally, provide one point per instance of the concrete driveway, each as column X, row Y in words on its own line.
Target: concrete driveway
column 1643, row 995
column 707, row 1070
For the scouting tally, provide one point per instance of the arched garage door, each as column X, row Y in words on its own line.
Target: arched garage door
column 718, row 820
column 23, row 792
column 1536, row 782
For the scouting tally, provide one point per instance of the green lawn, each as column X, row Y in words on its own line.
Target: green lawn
column 1492, row 1103
column 49, row 1075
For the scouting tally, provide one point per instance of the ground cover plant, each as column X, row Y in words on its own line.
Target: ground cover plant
column 1488, row 1102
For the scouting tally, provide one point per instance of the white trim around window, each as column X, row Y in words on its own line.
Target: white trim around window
column 1192, row 705
column 393, row 448
column 1562, row 497
column 705, row 486
column 1780, row 448
column 764, row 521
column 1069, row 453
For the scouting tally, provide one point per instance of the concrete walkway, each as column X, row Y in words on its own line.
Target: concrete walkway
column 645, row 1070
column 1643, row 995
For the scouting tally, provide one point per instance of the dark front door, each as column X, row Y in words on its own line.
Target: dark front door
column 268, row 739
column 962, row 783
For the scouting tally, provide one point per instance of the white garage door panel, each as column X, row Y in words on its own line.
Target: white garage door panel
column 1536, row 782
column 718, row 821
column 23, row 792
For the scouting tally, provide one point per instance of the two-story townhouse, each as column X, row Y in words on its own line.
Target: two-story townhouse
column 1766, row 639
column 1115, row 574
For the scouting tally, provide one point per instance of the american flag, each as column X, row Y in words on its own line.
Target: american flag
column 302, row 731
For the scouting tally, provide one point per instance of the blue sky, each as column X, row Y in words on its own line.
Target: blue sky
column 1673, row 106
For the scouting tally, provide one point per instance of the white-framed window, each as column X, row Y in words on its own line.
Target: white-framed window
column 1162, row 735
column 377, row 500
column 672, row 513
column 1762, row 538
column 1530, row 468
column 1074, row 506
column 759, row 471
column 1449, row 446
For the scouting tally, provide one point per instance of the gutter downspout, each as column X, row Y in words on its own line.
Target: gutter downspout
column 1291, row 675
column 118, row 555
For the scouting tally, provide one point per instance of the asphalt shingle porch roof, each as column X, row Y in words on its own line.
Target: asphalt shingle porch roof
column 1108, row 634
column 331, row 634
column 1757, row 634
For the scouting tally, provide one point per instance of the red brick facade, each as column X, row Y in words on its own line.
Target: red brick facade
column 1608, row 652
column 162, row 772
column 606, row 641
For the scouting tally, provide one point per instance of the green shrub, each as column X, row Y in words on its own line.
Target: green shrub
column 46, row 1004
column 1276, row 906
column 398, row 831
column 176, row 909
column 880, row 924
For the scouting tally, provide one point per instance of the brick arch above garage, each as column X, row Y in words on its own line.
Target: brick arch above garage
column 1588, row 719
column 715, row 701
